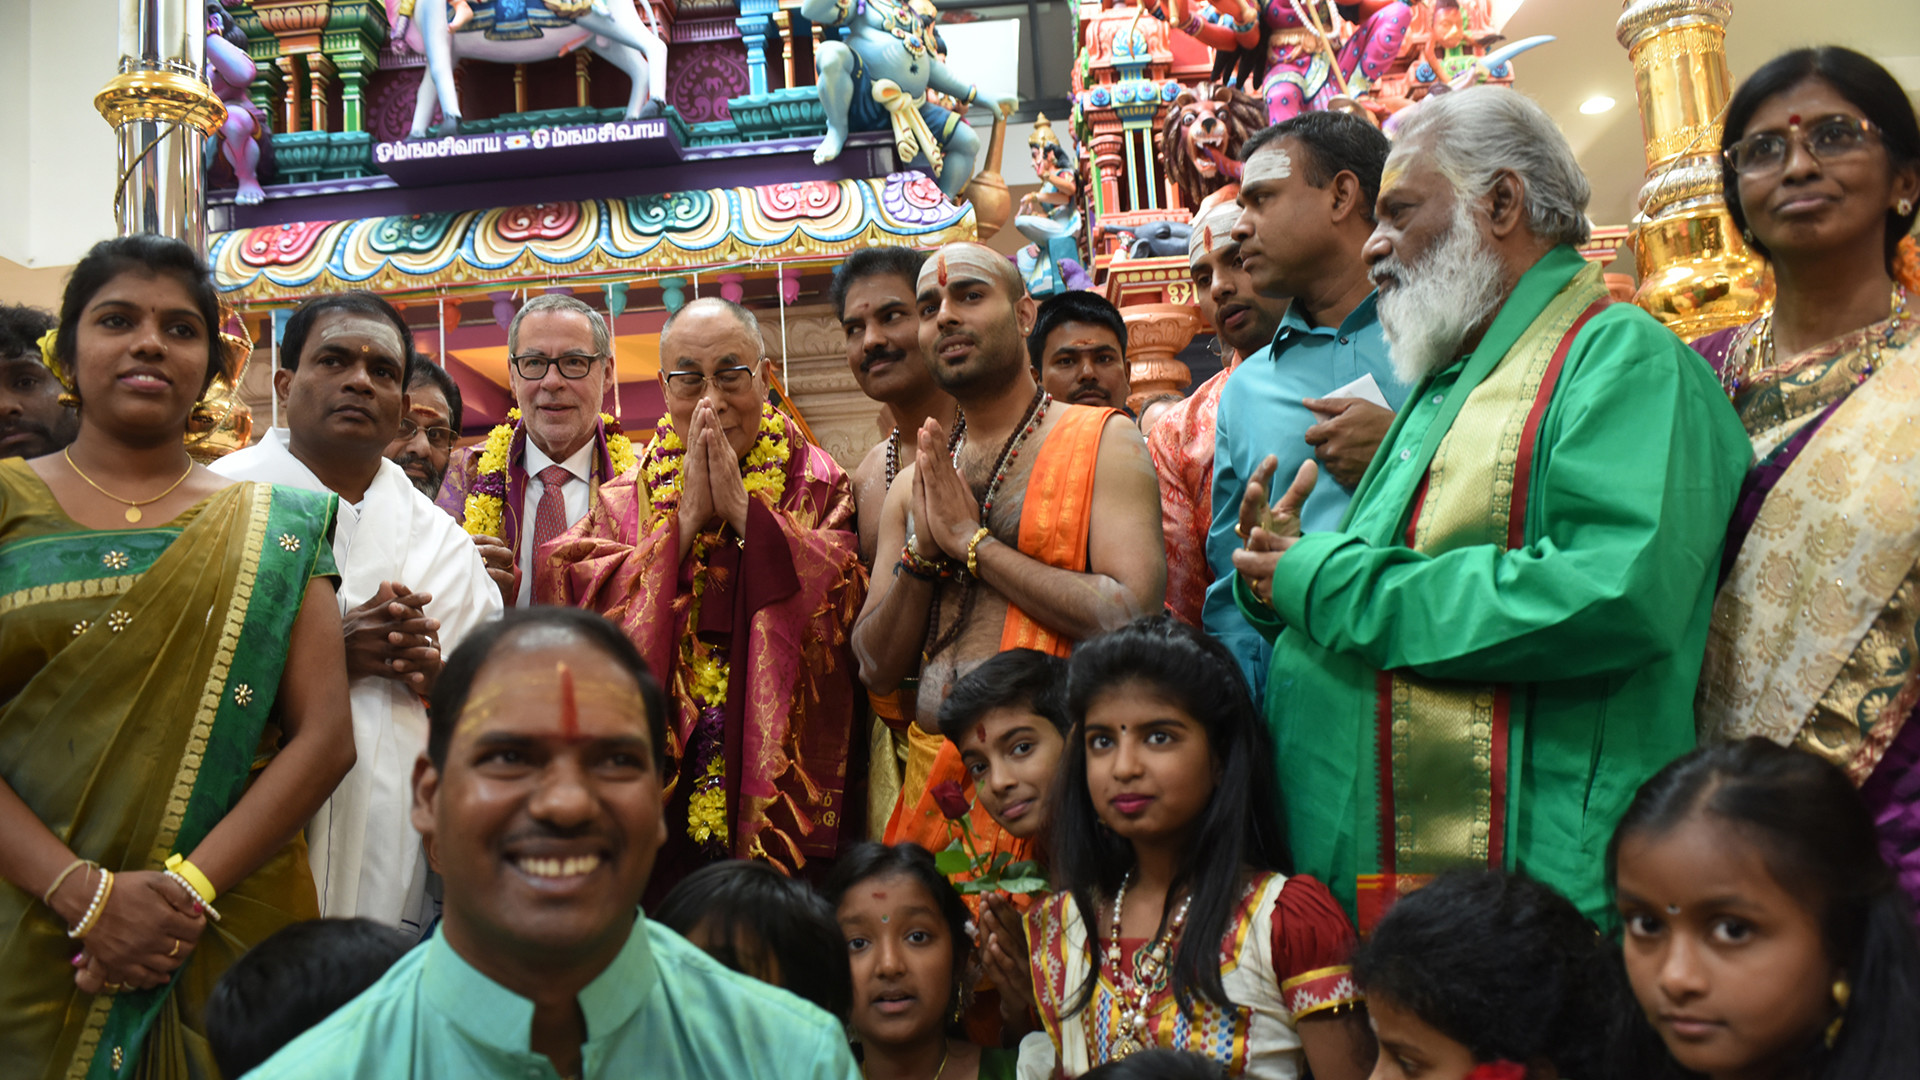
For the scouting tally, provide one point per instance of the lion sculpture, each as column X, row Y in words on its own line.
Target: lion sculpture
column 1202, row 135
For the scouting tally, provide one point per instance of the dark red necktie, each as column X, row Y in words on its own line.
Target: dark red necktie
column 550, row 517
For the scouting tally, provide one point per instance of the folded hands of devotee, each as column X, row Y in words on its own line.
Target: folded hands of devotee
column 147, row 927
column 1349, row 432
column 391, row 636
column 711, row 486
column 1266, row 531
column 945, row 512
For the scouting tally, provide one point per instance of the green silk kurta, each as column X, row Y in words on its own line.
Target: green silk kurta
column 1595, row 625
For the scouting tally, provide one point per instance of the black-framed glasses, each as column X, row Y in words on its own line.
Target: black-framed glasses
column 533, row 366
column 692, row 384
column 440, row 438
column 1827, row 139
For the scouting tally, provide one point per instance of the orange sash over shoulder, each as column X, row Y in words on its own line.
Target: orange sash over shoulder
column 1054, row 523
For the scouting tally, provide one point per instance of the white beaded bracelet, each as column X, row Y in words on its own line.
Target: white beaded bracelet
column 100, row 892
column 195, row 893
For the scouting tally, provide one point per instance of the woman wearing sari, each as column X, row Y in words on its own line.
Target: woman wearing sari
column 1813, row 637
column 172, row 683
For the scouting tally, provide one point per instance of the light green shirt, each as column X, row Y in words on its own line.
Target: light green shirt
column 663, row 1009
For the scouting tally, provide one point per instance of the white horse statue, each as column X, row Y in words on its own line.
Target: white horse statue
column 611, row 28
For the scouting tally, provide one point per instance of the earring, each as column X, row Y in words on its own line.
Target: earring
column 959, row 1002
column 1903, row 207
column 1841, row 992
column 1747, row 235
column 68, row 399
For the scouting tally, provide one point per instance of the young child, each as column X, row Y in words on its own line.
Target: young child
column 1182, row 928
column 1008, row 719
column 762, row 923
column 906, row 940
column 1485, row 974
column 293, row 980
column 1763, row 933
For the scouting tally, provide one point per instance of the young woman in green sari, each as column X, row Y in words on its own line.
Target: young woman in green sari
column 172, row 683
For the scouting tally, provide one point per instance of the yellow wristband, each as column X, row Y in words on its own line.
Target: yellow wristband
column 178, row 864
column 973, row 550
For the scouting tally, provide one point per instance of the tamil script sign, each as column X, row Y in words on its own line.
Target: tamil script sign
column 543, row 151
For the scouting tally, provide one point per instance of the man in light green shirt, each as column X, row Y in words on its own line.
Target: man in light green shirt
column 1501, row 641
column 540, row 803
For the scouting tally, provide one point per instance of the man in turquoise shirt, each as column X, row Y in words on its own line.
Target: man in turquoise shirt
column 1307, row 210
column 539, row 800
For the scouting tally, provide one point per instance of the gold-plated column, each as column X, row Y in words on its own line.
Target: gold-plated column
column 1696, row 275
column 582, row 76
column 163, row 111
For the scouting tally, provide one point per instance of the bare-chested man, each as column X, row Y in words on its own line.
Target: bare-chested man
column 1082, row 556
column 872, row 296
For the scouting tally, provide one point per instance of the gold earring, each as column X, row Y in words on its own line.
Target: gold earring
column 1841, row 992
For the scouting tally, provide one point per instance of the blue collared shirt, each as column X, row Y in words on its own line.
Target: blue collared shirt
column 662, row 1009
column 1259, row 414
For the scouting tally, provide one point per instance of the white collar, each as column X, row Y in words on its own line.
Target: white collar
column 579, row 463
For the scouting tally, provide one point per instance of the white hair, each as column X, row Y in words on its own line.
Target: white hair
column 1472, row 134
column 602, row 342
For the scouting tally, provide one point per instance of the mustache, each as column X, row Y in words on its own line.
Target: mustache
column 879, row 355
column 23, row 426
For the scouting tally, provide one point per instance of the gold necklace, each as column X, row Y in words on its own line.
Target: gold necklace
column 133, row 508
column 1756, row 354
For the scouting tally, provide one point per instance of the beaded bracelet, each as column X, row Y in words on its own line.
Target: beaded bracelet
column 921, row 567
column 100, row 894
column 188, row 885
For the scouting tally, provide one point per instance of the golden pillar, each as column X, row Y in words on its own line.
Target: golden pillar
column 1696, row 275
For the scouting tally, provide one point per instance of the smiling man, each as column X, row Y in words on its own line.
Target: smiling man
column 431, row 426
column 558, row 353
column 411, row 586
column 33, row 421
column 728, row 556
column 540, row 797
column 1502, row 640
column 1078, row 346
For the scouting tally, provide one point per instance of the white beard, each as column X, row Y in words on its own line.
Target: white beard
column 1437, row 301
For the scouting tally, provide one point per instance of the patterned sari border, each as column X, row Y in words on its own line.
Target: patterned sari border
column 88, row 589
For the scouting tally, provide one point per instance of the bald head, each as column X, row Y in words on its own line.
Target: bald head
column 707, row 308
column 968, row 261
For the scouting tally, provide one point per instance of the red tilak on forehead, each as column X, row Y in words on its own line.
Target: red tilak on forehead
column 569, row 708
column 980, row 732
column 1794, row 120
column 1206, row 235
column 943, row 271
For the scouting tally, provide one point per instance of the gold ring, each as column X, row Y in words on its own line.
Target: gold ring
column 175, row 951
column 112, row 988
column 1240, row 531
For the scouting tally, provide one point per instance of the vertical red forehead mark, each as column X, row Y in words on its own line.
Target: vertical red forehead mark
column 1206, row 237
column 980, row 732
column 569, row 708
column 943, row 271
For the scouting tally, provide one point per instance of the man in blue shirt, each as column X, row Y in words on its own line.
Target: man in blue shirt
column 539, row 801
column 1306, row 198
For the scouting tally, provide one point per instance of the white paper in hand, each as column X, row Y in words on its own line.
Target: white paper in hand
column 1365, row 389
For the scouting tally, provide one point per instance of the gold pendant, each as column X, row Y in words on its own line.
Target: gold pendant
column 133, row 513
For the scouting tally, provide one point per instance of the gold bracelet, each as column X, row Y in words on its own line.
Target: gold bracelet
column 47, row 897
column 973, row 550
column 99, row 905
column 197, row 881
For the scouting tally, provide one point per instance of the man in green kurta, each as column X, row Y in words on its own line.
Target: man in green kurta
column 1501, row 642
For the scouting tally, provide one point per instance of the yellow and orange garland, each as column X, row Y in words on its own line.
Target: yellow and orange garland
column 706, row 666
column 485, row 506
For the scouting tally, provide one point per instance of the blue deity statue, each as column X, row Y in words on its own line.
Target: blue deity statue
column 879, row 77
column 1049, row 218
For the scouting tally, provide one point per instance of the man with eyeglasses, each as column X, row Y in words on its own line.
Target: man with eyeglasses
column 430, row 426
column 558, row 362
column 412, row 587
column 728, row 556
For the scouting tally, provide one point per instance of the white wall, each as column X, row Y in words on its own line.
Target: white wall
column 58, row 196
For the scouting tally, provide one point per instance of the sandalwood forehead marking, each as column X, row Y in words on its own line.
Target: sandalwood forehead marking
column 964, row 260
column 1267, row 163
column 568, row 690
column 1211, row 231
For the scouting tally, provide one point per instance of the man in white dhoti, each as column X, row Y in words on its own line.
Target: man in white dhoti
column 412, row 587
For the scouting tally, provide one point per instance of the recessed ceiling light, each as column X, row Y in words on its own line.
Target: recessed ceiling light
column 1596, row 105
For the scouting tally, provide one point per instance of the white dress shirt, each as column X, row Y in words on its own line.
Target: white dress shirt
column 576, row 491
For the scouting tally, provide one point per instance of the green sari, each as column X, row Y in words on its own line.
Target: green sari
column 138, row 672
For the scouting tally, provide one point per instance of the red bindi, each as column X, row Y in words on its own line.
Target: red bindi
column 569, row 707
column 1794, row 120
column 879, row 896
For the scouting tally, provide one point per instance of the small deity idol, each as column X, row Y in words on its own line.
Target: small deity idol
column 1049, row 218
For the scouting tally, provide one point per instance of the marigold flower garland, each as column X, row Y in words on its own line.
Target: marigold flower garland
column 486, row 505
column 764, row 473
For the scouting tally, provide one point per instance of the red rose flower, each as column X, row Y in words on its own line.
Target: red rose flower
column 951, row 800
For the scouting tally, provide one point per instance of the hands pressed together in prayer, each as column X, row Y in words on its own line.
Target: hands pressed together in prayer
column 391, row 636
column 1266, row 531
column 945, row 513
column 711, row 487
column 147, row 928
column 1349, row 432
column 1003, row 954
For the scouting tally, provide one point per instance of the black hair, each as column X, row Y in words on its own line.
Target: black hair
column 1818, row 841
column 421, row 370
column 1240, row 829
column 868, row 860
column 1057, row 156
column 450, row 691
column 1016, row 679
column 1864, row 83
column 21, row 328
column 892, row 260
column 142, row 253
column 1159, row 1065
column 297, row 977
column 1335, row 142
column 358, row 301
column 1502, row 965
column 1074, row 305
column 748, row 906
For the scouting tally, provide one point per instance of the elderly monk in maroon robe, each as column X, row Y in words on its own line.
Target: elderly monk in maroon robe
column 729, row 556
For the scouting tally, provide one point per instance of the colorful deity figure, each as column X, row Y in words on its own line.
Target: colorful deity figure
column 229, row 71
column 1049, row 218
column 1297, row 54
column 880, row 79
